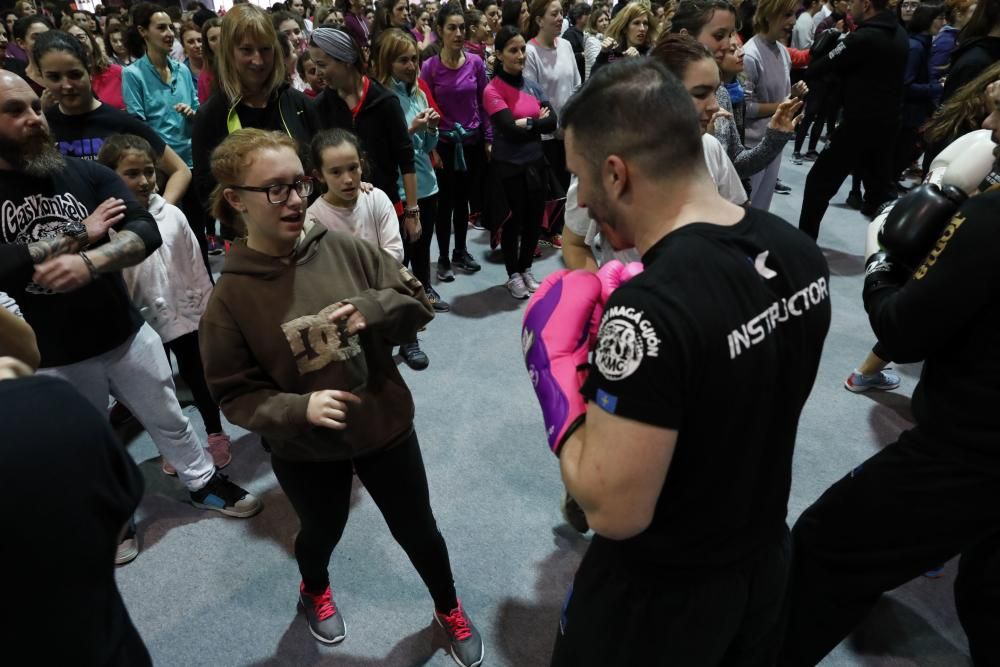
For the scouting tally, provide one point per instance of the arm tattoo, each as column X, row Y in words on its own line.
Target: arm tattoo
column 124, row 250
column 52, row 247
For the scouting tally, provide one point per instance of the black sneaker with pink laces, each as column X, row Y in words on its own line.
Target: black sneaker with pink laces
column 325, row 622
column 465, row 642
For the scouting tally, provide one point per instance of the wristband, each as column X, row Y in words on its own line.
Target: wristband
column 90, row 266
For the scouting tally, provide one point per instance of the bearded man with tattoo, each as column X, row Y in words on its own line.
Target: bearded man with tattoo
column 67, row 228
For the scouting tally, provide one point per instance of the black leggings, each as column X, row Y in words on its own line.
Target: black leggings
column 555, row 154
column 188, row 355
column 520, row 232
column 417, row 255
column 320, row 492
column 198, row 220
column 453, row 197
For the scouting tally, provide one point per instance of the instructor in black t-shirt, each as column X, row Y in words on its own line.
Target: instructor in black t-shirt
column 681, row 458
column 99, row 487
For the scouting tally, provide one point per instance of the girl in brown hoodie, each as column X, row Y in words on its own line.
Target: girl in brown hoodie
column 297, row 346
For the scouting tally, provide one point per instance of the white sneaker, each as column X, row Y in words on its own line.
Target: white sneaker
column 516, row 287
column 530, row 282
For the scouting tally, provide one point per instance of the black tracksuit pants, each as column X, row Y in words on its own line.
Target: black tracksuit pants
column 908, row 509
column 867, row 147
column 624, row 612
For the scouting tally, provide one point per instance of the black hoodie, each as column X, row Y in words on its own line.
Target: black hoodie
column 381, row 127
column 871, row 62
column 287, row 111
column 969, row 60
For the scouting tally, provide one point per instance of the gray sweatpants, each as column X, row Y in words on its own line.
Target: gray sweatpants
column 138, row 374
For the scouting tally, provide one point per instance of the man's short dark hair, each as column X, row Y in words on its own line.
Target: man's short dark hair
column 636, row 109
column 578, row 11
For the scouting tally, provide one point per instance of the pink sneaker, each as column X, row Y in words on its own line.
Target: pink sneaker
column 168, row 469
column 220, row 446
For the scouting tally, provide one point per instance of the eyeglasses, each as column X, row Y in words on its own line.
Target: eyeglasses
column 279, row 192
column 910, row 5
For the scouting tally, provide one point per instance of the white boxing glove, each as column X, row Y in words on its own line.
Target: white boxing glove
column 967, row 154
column 872, row 245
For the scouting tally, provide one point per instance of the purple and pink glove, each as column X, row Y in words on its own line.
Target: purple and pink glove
column 560, row 327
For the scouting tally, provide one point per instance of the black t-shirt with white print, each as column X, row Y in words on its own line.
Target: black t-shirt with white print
column 82, row 135
column 77, row 325
column 719, row 339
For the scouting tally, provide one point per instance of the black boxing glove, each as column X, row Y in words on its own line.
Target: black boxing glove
column 824, row 43
column 916, row 221
column 882, row 272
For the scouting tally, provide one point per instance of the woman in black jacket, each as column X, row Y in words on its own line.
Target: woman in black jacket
column 252, row 92
column 362, row 105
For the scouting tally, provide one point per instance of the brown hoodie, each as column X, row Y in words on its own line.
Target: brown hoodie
column 266, row 343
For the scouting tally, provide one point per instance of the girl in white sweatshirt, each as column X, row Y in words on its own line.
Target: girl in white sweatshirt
column 171, row 287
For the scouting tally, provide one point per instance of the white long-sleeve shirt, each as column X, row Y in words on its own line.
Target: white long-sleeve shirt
column 372, row 219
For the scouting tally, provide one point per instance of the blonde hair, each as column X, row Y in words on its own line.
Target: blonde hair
column 232, row 158
column 391, row 44
column 242, row 22
column 768, row 9
column 618, row 28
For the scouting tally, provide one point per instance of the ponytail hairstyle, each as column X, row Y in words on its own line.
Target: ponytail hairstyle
column 536, row 10
column 57, row 40
column 115, row 147
column 693, row 15
column 331, row 139
column 390, row 45
column 504, row 35
column 445, row 13
column 677, row 52
column 472, row 19
column 233, row 157
column 142, row 15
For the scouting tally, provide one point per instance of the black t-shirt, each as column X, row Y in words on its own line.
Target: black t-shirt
column 83, row 135
column 718, row 339
column 67, row 541
column 76, row 325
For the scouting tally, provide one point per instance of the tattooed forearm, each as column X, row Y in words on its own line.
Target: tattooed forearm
column 52, row 247
column 124, row 250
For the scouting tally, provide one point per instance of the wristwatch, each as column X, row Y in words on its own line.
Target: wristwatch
column 77, row 231
column 530, row 123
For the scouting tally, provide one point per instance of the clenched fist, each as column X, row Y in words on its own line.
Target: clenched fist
column 328, row 408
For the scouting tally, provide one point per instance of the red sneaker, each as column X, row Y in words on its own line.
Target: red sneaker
column 465, row 642
column 325, row 623
column 220, row 447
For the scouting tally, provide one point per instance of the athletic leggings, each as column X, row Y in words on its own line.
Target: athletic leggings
column 188, row 355
column 519, row 234
column 320, row 493
column 417, row 255
column 453, row 197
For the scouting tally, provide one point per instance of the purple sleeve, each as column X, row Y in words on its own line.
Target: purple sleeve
column 484, row 120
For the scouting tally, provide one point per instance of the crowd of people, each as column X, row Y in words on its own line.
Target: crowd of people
column 317, row 150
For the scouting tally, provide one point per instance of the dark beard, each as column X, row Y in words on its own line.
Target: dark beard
column 35, row 156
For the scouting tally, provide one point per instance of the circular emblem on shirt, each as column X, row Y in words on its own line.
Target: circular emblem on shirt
column 619, row 349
